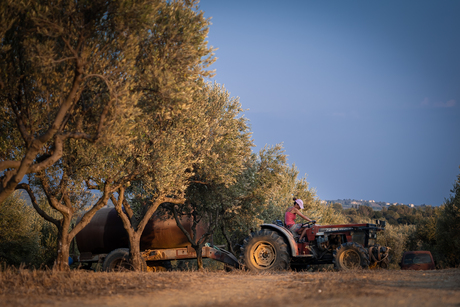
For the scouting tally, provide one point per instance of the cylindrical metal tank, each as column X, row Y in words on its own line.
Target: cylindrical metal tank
column 106, row 233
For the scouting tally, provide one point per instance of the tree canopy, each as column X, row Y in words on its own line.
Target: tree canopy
column 93, row 96
column 67, row 69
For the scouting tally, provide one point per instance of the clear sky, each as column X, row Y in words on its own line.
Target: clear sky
column 364, row 95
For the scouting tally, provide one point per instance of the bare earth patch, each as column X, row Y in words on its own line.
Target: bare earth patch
column 358, row 288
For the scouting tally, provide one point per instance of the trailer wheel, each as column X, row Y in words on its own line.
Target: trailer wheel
column 349, row 256
column 265, row 250
column 159, row 266
column 118, row 261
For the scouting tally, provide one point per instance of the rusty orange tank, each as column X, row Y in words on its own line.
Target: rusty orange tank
column 106, row 233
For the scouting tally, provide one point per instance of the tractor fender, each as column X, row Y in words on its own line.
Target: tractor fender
column 286, row 234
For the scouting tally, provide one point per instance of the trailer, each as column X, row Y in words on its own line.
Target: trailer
column 104, row 241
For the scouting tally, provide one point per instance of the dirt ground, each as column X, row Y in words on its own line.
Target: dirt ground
column 357, row 288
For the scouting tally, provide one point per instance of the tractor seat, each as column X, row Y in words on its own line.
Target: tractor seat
column 279, row 223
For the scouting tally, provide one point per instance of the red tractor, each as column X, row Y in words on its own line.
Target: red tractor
column 346, row 246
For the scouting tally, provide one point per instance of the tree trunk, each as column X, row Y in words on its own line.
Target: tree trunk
column 62, row 260
column 199, row 256
column 229, row 241
column 135, row 252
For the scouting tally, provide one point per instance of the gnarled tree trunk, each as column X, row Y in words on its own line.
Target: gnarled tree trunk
column 62, row 259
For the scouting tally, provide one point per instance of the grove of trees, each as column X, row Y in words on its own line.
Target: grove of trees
column 419, row 228
column 110, row 102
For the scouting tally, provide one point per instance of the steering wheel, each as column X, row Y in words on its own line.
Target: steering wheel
column 308, row 223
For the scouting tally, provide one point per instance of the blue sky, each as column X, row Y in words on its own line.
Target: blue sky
column 364, row 95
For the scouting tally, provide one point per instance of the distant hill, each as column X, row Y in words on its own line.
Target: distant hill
column 354, row 203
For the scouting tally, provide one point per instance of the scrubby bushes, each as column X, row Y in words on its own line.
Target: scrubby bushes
column 446, row 240
column 439, row 231
column 396, row 237
column 24, row 236
column 19, row 232
column 19, row 240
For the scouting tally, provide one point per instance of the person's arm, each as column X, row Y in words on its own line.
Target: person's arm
column 297, row 211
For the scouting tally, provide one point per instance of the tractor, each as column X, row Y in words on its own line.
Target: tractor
column 347, row 246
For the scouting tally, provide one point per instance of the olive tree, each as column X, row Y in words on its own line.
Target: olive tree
column 69, row 200
column 66, row 68
column 66, row 185
column 262, row 176
column 170, row 127
column 159, row 173
column 97, row 87
column 66, row 76
column 217, row 165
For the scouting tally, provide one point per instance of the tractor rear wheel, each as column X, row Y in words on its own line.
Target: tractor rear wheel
column 264, row 251
column 349, row 256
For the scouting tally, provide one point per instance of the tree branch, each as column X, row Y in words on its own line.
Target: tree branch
column 91, row 186
column 128, row 209
column 20, row 123
column 126, row 221
column 70, row 99
column 54, row 203
column 89, row 215
column 43, row 214
column 9, row 164
column 227, row 238
column 179, row 224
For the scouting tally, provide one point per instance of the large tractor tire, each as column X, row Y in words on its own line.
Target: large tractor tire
column 118, row 261
column 265, row 251
column 349, row 256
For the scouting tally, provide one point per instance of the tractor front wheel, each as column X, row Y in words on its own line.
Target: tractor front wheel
column 265, row 250
column 350, row 256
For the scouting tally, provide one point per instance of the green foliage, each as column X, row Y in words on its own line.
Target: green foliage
column 98, row 94
column 394, row 215
column 264, row 191
column 396, row 237
column 337, row 207
column 365, row 211
column 448, row 228
column 49, row 245
column 378, row 215
column 421, row 228
column 425, row 234
column 24, row 236
column 65, row 69
column 219, row 147
column 19, row 232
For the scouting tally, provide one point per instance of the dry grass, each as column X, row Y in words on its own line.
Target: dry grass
column 239, row 288
column 19, row 282
column 82, row 283
column 374, row 282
